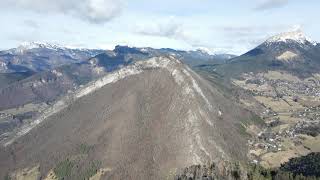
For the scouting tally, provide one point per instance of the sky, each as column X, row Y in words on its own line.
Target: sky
column 228, row 26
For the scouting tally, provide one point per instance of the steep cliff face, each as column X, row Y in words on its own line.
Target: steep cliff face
column 141, row 122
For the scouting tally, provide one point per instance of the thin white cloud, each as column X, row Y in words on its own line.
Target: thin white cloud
column 170, row 28
column 271, row 4
column 95, row 11
column 166, row 28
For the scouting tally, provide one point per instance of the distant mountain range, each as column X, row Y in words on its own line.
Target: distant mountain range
column 37, row 57
column 141, row 113
column 55, row 70
column 32, row 57
column 46, row 86
column 291, row 51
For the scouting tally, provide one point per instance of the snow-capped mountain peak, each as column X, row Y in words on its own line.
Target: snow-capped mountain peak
column 205, row 50
column 34, row 45
column 296, row 35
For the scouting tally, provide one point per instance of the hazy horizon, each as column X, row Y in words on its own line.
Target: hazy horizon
column 221, row 27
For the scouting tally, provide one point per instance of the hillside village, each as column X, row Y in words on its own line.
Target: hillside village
column 291, row 115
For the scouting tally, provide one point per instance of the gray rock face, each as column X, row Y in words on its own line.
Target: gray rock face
column 142, row 122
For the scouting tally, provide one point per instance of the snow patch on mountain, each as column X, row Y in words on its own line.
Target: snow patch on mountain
column 3, row 65
column 206, row 50
column 45, row 45
column 35, row 45
column 57, row 73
